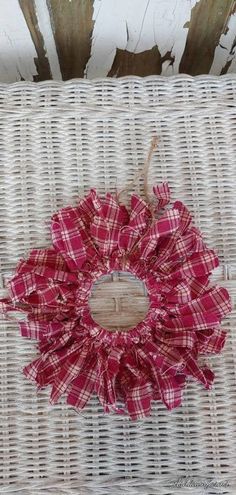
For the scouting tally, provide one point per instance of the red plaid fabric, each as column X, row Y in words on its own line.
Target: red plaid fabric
column 139, row 215
column 83, row 386
column 153, row 360
column 163, row 227
column 162, row 193
column 67, row 238
column 127, row 239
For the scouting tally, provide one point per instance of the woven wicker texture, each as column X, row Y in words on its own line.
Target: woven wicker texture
column 56, row 141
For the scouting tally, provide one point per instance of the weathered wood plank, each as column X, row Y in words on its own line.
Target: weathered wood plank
column 208, row 21
column 225, row 56
column 96, row 38
column 226, row 67
column 138, row 64
column 120, row 28
column 42, row 63
column 72, row 26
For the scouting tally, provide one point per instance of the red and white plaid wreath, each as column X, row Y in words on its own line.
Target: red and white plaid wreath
column 149, row 362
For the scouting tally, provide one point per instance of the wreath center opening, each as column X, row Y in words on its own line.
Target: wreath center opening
column 119, row 301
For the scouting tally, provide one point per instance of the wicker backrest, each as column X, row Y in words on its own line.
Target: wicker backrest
column 56, row 141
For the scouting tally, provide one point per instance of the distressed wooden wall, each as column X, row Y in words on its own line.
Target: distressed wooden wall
column 63, row 39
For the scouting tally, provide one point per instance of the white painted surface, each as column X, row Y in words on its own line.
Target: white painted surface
column 17, row 50
column 133, row 25
column 136, row 26
column 45, row 28
column 223, row 50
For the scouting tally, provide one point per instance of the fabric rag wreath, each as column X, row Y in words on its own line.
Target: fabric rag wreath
column 160, row 246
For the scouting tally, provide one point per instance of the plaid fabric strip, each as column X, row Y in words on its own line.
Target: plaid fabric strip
column 48, row 299
column 198, row 286
column 215, row 343
column 24, row 284
column 102, row 236
column 115, row 215
column 113, row 361
column 168, row 387
column 170, row 390
column 183, row 338
column 178, row 294
column 83, row 386
column 203, row 375
column 151, row 349
column 171, row 357
column 111, row 366
column 109, row 400
column 87, row 209
column 165, row 249
column 82, row 227
column 108, row 366
column 39, row 330
column 200, row 263
column 184, row 216
column 138, row 400
column 97, row 203
column 167, row 224
column 162, row 192
column 66, row 238
column 58, row 242
column 203, row 336
column 136, row 373
column 127, row 238
column 194, row 321
column 71, row 236
column 100, row 385
column 35, row 290
column 88, row 206
column 45, row 370
column 68, row 373
column 216, row 301
column 48, row 272
column 140, row 214
column 31, row 370
column 185, row 245
column 6, row 305
column 105, row 227
column 48, row 314
column 48, row 257
column 32, row 330
column 197, row 265
column 48, row 348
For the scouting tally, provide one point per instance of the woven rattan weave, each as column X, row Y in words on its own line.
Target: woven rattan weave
column 57, row 140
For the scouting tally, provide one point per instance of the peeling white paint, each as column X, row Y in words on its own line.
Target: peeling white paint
column 17, row 50
column 44, row 24
column 232, row 67
column 223, row 50
column 136, row 26
column 133, row 25
column 171, row 17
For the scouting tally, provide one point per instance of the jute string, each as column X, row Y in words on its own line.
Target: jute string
column 143, row 173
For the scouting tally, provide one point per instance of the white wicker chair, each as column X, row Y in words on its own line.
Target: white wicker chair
column 56, row 141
